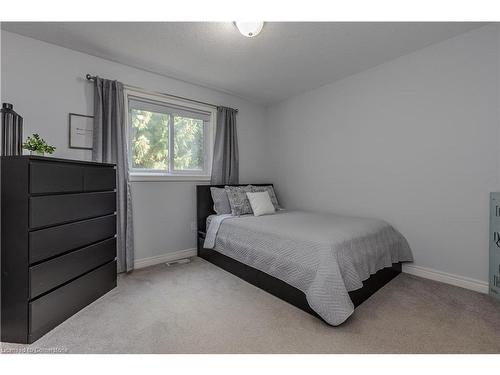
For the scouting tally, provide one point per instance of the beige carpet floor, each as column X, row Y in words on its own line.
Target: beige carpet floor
column 199, row 308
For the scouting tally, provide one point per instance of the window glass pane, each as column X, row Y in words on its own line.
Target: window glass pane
column 188, row 143
column 149, row 139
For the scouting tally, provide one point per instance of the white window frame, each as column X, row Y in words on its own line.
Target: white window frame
column 136, row 174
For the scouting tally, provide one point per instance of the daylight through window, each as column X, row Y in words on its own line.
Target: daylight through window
column 168, row 138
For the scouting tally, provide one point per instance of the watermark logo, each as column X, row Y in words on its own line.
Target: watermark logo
column 33, row 350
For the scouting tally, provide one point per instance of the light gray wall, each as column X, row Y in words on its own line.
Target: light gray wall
column 45, row 82
column 412, row 141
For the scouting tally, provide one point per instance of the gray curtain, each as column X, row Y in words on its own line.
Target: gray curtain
column 110, row 146
column 225, row 166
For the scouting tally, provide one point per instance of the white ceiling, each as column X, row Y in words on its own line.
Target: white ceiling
column 284, row 60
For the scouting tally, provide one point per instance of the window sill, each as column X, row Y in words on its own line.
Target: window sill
column 156, row 177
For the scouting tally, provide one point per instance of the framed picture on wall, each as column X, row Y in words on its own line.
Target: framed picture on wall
column 81, row 129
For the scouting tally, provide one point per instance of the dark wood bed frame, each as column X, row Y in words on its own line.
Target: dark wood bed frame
column 278, row 288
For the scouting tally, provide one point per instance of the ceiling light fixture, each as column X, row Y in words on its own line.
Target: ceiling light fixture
column 249, row 29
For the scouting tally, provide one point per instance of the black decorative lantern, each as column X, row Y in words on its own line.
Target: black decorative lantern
column 12, row 131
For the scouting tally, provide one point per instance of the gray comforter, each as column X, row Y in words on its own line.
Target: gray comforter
column 324, row 255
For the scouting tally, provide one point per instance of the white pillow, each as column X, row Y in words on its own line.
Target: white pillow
column 261, row 203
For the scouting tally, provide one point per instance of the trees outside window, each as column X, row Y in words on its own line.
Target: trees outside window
column 165, row 140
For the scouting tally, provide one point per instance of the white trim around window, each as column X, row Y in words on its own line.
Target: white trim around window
column 148, row 177
column 208, row 135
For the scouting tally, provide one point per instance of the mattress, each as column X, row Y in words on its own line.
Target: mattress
column 324, row 255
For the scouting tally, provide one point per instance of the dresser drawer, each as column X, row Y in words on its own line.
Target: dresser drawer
column 57, row 271
column 58, row 209
column 53, row 308
column 52, row 178
column 99, row 178
column 49, row 242
column 47, row 178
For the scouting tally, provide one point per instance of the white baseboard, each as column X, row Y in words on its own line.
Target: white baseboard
column 427, row 273
column 448, row 278
column 164, row 258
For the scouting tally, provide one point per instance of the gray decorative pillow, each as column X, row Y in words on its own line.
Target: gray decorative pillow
column 238, row 200
column 221, row 203
column 272, row 194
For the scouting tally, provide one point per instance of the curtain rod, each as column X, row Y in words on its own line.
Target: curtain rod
column 92, row 78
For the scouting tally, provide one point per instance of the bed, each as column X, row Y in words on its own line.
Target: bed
column 324, row 264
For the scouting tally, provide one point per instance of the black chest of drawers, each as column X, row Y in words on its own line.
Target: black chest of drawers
column 58, row 241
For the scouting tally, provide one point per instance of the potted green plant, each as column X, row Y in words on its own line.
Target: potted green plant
column 37, row 146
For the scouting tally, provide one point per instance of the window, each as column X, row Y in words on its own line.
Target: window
column 168, row 138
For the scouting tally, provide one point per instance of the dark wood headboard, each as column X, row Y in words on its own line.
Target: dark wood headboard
column 205, row 203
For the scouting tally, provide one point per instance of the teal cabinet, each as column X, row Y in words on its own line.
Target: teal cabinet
column 495, row 245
